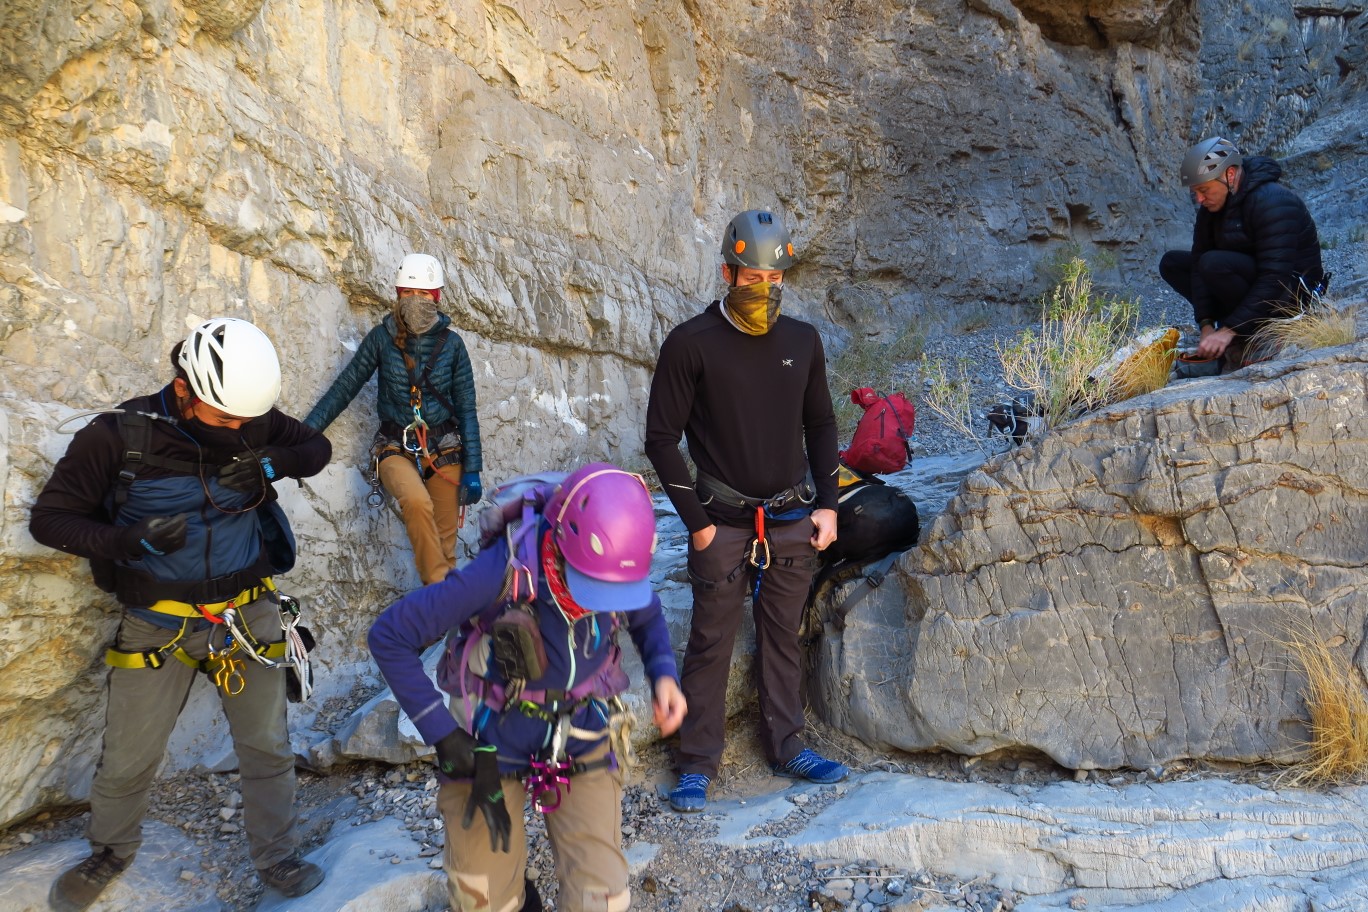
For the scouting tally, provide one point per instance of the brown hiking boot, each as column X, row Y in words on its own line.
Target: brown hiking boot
column 80, row 886
column 292, row 877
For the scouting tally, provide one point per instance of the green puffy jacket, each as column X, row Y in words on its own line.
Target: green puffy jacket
column 449, row 375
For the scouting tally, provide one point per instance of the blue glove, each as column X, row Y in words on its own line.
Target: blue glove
column 471, row 492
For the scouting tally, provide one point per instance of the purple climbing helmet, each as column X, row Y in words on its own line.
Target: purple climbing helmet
column 603, row 522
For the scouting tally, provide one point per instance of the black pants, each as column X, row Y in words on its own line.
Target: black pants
column 721, row 580
column 1226, row 275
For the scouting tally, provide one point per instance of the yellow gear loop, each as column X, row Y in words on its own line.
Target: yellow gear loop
column 226, row 671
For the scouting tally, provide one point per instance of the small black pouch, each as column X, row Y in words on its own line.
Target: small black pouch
column 516, row 642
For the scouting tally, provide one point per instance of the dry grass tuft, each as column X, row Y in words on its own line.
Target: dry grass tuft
column 1321, row 324
column 1148, row 368
column 1337, row 703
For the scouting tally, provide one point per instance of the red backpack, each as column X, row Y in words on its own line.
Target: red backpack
column 881, row 442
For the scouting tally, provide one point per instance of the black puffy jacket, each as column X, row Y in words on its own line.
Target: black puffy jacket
column 1270, row 223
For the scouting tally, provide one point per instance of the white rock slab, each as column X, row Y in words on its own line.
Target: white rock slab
column 1157, row 847
column 371, row 867
column 165, row 875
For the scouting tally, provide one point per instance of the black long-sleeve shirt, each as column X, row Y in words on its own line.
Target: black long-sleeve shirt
column 756, row 411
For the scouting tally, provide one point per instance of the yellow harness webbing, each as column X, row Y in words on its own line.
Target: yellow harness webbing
column 156, row 658
column 188, row 610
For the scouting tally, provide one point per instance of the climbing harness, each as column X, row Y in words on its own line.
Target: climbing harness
column 547, row 775
column 786, row 506
column 224, row 664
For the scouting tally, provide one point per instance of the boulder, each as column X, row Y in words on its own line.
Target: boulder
column 1121, row 591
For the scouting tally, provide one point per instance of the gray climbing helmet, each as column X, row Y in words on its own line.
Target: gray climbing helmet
column 1208, row 160
column 757, row 239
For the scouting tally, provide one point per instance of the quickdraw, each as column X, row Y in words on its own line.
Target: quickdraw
column 759, row 553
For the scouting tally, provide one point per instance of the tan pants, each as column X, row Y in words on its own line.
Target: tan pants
column 585, row 833
column 430, row 510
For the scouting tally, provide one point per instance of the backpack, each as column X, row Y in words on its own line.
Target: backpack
column 881, row 441
column 135, row 433
column 507, row 634
column 873, row 519
column 875, row 522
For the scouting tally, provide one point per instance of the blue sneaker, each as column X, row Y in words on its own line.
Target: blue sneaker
column 813, row 767
column 691, row 794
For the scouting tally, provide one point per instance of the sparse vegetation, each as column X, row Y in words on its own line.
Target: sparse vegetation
column 1337, row 703
column 949, row 393
column 1321, row 324
column 1055, row 267
column 869, row 362
column 1057, row 363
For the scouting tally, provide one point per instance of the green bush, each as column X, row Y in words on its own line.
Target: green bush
column 1079, row 329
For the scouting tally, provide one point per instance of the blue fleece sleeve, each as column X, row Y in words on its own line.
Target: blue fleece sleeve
column 651, row 636
column 406, row 628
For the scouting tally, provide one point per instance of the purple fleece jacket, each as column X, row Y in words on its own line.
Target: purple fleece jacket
column 575, row 652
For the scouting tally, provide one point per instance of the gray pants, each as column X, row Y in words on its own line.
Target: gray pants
column 143, row 706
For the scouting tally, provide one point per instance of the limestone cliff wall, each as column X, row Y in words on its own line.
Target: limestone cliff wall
column 571, row 163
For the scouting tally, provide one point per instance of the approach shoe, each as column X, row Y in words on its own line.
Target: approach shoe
column 691, row 794
column 813, row 767
column 292, row 877
column 80, row 886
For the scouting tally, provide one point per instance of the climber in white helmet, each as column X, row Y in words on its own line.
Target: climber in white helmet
column 427, row 450
column 171, row 498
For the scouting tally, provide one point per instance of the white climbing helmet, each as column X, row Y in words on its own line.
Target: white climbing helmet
column 233, row 366
column 419, row 271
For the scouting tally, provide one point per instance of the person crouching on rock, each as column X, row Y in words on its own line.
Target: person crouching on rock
column 533, row 667
column 1255, row 254
column 427, row 451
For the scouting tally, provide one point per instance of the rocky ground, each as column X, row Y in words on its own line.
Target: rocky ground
column 683, row 871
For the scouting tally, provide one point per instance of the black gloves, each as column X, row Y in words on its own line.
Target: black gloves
column 486, row 793
column 250, row 469
column 456, row 754
column 157, row 535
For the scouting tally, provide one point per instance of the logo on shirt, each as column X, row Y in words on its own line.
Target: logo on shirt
column 788, row 362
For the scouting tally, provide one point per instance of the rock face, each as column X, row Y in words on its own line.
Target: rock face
column 572, row 165
column 1120, row 593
